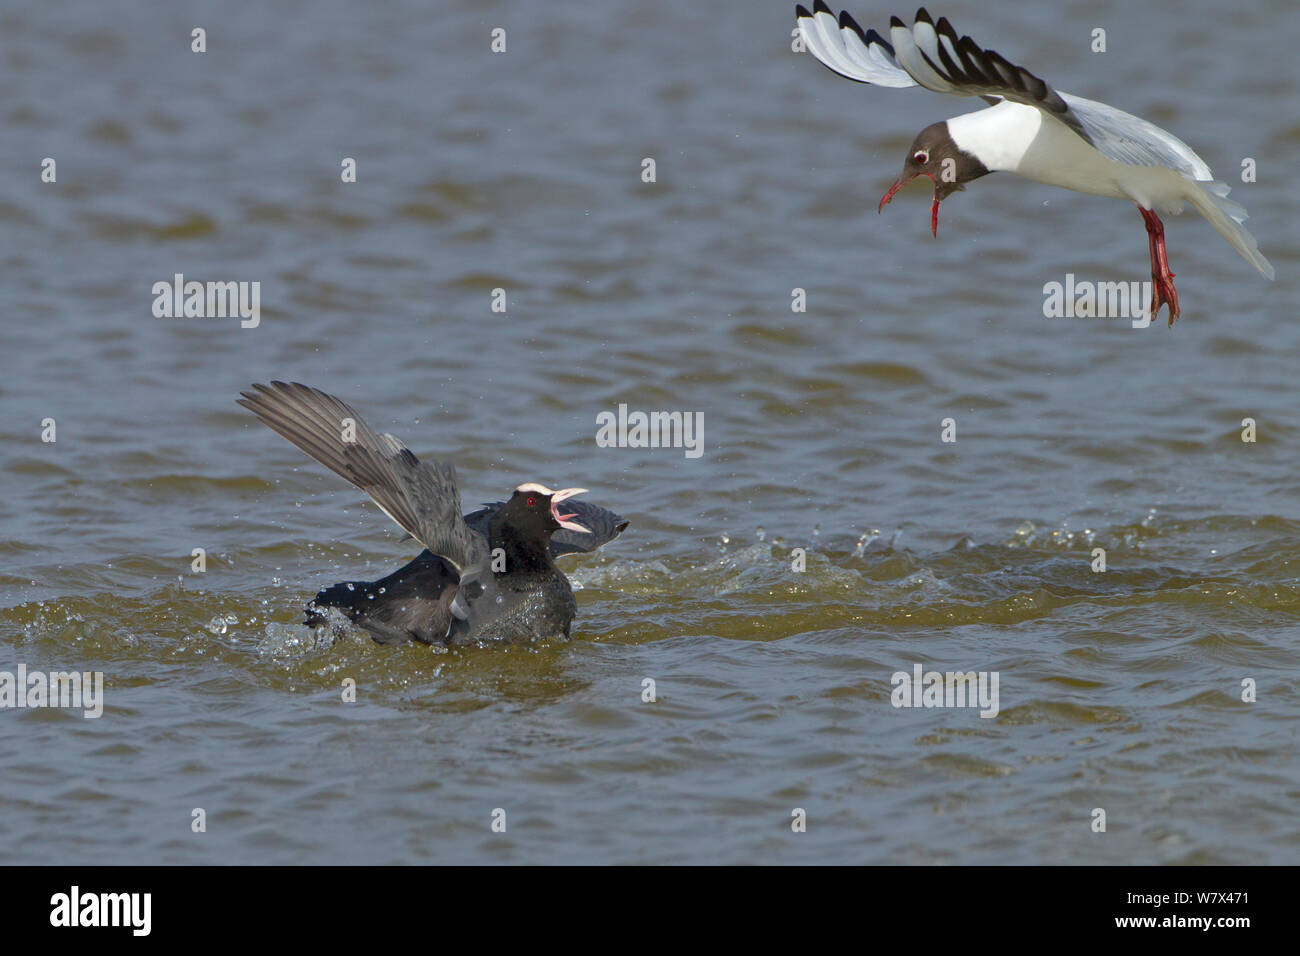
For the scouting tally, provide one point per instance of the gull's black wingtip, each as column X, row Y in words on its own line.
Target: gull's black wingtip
column 923, row 16
column 819, row 6
column 801, row 12
column 895, row 22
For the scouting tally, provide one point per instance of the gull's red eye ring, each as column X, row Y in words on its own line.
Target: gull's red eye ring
column 920, row 157
column 532, row 502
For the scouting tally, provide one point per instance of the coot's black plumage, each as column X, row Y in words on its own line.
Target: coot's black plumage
column 485, row 577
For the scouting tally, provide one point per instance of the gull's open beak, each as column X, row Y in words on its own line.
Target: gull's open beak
column 899, row 184
column 563, row 520
column 891, row 192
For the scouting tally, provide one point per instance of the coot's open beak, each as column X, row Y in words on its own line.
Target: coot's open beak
column 564, row 520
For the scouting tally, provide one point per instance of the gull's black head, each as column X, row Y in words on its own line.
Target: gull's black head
column 933, row 153
column 534, row 511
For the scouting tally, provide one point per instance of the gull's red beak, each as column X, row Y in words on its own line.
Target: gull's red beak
column 899, row 184
column 891, row 192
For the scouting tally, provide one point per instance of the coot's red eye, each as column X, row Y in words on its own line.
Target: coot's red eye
column 532, row 501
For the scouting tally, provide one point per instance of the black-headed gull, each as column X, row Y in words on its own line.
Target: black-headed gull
column 1031, row 130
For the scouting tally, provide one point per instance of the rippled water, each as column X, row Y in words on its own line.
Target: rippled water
column 1120, row 690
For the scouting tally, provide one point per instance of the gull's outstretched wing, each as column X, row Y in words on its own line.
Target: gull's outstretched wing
column 941, row 61
column 928, row 54
column 1126, row 138
column 845, row 48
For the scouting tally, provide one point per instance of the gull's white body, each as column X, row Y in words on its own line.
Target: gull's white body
column 1015, row 138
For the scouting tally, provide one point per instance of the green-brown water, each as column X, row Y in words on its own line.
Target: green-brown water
column 1120, row 690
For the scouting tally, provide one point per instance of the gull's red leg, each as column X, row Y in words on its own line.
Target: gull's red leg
column 1162, row 280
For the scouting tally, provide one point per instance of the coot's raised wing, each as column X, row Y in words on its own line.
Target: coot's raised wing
column 421, row 496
